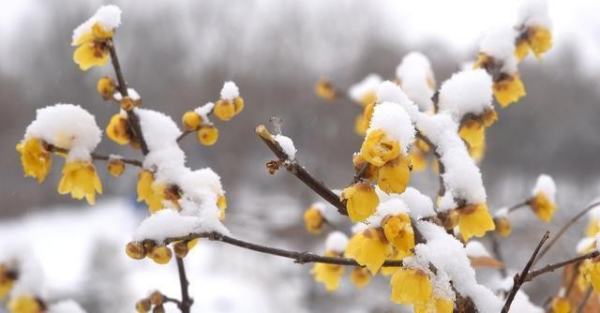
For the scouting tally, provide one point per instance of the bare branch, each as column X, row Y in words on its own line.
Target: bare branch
column 95, row 156
column 555, row 266
column 519, row 279
column 186, row 301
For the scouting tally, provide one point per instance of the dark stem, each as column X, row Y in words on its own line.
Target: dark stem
column 297, row 170
column 555, row 266
column 498, row 254
column 132, row 118
column 186, row 302
column 521, row 278
column 184, row 134
column 565, row 227
column 298, row 257
column 518, row 206
column 95, row 156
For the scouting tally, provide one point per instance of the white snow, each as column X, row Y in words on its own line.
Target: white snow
column 108, row 16
column 287, row 145
column 521, row 304
column 420, row 205
column 448, row 254
column 168, row 223
column 131, row 93
column 369, row 84
column 204, row 110
column 466, row 92
column 395, row 122
column 336, row 242
column 545, row 184
column 475, row 248
column 159, row 129
column 66, row 306
column 229, row 91
column 66, row 126
column 415, row 75
column 585, row 244
column 502, row 212
column 499, row 43
column 390, row 207
column 534, row 13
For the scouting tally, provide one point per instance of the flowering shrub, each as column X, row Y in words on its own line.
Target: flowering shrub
column 424, row 247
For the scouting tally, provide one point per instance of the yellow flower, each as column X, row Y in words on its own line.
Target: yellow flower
column 590, row 271
column 379, row 148
column 116, row 167
column 508, row 90
column 313, row 220
column 25, row 304
column 411, row 286
column 79, row 178
column 396, row 255
column 35, row 159
column 224, row 110
column 474, row 220
column 222, row 205
column 561, row 305
column 106, row 87
column 360, row 277
column 537, row 39
column 151, row 193
column 368, row 98
column 92, row 47
column 329, row 275
column 369, row 248
column 361, row 201
column 542, row 207
column 361, row 124
column 369, row 173
column 208, row 135
column 118, row 129
column 436, row 305
column 399, row 232
column 503, row 226
column 325, row 90
column 593, row 227
column 472, row 132
column 191, row 120
column 393, row 177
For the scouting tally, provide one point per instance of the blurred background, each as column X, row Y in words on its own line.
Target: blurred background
column 177, row 54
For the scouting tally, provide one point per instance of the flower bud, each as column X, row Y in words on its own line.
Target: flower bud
column 208, row 135
column 161, row 254
column 143, row 306
column 116, row 167
column 156, row 298
column 191, row 120
column 106, row 87
column 224, row 110
column 127, row 104
column 181, row 249
column 135, row 250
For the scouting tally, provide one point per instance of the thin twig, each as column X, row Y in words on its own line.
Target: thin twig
column 521, row 278
column 186, row 301
column 298, row 257
column 95, row 156
column 132, row 118
column 565, row 227
column 297, row 170
column 498, row 254
column 518, row 206
column 172, row 300
column 184, row 134
column 555, row 266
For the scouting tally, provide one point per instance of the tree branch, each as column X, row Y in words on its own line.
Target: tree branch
column 186, row 301
column 565, row 227
column 95, row 156
column 555, row 266
column 519, row 279
column 298, row 257
column 297, row 170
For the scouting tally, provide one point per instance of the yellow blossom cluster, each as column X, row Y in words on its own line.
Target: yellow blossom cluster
column 152, row 303
column 472, row 132
column 160, row 254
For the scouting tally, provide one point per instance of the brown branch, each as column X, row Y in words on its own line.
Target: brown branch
column 95, row 156
column 498, row 253
column 132, row 118
column 565, row 227
column 298, row 257
column 184, row 134
column 300, row 172
column 555, row 266
column 186, row 301
column 517, row 206
column 521, row 278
